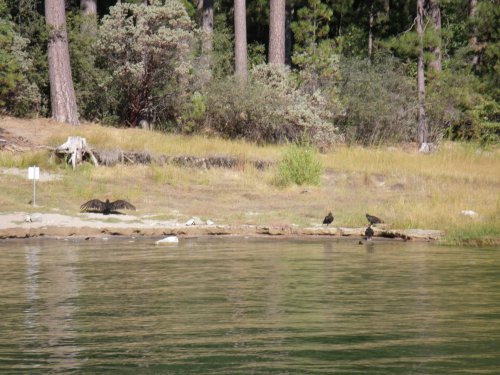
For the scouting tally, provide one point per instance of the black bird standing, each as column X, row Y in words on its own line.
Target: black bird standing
column 373, row 219
column 328, row 219
column 369, row 232
column 105, row 208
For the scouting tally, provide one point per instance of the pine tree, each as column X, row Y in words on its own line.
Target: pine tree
column 62, row 93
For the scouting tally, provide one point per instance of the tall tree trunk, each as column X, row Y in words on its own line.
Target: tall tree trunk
column 277, row 32
column 207, row 20
column 422, row 122
column 473, row 40
column 240, row 40
column 370, row 30
column 288, row 34
column 62, row 92
column 88, row 9
column 434, row 11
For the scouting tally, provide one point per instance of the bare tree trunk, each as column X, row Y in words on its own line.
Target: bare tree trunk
column 370, row 31
column 207, row 20
column 62, row 92
column 434, row 11
column 88, row 9
column 473, row 40
column 277, row 32
column 422, row 122
column 240, row 42
column 288, row 34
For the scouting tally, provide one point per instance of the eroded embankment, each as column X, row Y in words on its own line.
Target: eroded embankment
column 93, row 230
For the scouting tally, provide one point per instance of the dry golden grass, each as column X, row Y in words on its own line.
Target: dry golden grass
column 170, row 144
column 405, row 188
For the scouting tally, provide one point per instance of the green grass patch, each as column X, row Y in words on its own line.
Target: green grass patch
column 27, row 159
column 474, row 234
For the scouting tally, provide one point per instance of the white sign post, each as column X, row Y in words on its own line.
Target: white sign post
column 34, row 174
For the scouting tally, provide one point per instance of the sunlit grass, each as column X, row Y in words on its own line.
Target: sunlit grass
column 405, row 188
column 451, row 160
column 39, row 158
column 169, row 144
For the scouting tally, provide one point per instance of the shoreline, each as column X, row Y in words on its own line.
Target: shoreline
column 14, row 226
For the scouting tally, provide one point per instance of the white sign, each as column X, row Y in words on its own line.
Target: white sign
column 33, row 173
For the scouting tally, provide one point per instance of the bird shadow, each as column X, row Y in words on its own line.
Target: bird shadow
column 105, row 213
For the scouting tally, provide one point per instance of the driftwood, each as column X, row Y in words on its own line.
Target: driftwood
column 110, row 158
column 75, row 150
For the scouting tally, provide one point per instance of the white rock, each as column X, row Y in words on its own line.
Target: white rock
column 210, row 222
column 194, row 221
column 168, row 240
column 198, row 221
column 469, row 213
column 36, row 217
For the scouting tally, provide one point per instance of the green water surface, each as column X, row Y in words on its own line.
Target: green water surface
column 248, row 306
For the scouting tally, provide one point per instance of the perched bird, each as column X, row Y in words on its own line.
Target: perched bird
column 369, row 232
column 373, row 219
column 106, row 208
column 328, row 219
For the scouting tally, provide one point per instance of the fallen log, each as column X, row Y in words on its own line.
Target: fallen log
column 75, row 150
column 113, row 157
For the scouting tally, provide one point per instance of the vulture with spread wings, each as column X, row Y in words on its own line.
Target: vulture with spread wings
column 106, row 208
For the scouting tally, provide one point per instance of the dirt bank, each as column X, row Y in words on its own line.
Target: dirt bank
column 16, row 225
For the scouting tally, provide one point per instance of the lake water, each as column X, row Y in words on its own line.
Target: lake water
column 248, row 306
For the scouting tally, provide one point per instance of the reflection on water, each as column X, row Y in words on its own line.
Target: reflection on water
column 48, row 316
column 248, row 306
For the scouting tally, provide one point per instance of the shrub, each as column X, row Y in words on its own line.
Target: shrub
column 300, row 165
column 458, row 110
column 269, row 108
column 147, row 50
column 379, row 100
column 95, row 97
column 18, row 95
column 193, row 113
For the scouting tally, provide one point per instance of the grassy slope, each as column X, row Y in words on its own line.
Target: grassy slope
column 405, row 188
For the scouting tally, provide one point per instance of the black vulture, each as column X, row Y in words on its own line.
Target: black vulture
column 328, row 219
column 373, row 219
column 106, row 208
column 369, row 232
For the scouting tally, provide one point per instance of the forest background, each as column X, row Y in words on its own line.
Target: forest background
column 348, row 71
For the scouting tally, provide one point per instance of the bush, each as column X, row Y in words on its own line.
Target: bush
column 269, row 108
column 300, row 165
column 193, row 113
column 18, row 96
column 148, row 52
column 458, row 110
column 379, row 100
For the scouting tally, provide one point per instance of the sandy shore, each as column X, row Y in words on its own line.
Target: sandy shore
column 18, row 225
